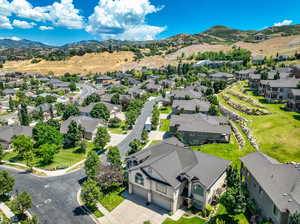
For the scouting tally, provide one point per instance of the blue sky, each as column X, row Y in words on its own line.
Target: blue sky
column 57, row 22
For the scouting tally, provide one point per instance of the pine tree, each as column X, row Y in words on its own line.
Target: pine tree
column 23, row 115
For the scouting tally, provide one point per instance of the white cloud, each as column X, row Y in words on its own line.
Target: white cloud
column 46, row 28
column 65, row 14
column 23, row 24
column 61, row 13
column 11, row 38
column 123, row 19
column 284, row 23
column 5, row 23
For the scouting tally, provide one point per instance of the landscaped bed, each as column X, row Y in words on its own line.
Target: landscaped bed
column 165, row 110
column 164, row 125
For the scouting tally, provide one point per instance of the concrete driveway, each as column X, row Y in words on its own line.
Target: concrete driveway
column 133, row 210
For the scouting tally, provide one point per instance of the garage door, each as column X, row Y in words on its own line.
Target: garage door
column 139, row 191
column 161, row 201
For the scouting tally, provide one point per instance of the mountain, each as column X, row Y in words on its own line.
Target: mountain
column 15, row 43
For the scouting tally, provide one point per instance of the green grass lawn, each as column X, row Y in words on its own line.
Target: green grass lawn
column 164, row 125
column 240, row 218
column 64, row 158
column 97, row 213
column 165, row 110
column 230, row 151
column 118, row 130
column 194, row 220
column 278, row 134
column 111, row 200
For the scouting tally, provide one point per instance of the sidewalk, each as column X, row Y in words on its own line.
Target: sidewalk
column 107, row 218
column 6, row 210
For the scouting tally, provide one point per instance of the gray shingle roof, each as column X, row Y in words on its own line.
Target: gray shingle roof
column 8, row 132
column 222, row 75
column 88, row 123
column 284, row 83
column 181, row 93
column 190, row 105
column 281, row 182
column 295, row 92
column 170, row 161
column 200, row 123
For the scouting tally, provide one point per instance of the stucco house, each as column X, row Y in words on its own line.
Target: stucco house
column 185, row 94
column 293, row 102
column 198, row 129
column 190, row 106
column 7, row 133
column 274, row 187
column 277, row 90
column 171, row 176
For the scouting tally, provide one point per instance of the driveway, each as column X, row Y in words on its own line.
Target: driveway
column 133, row 210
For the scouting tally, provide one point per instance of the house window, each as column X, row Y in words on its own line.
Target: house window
column 161, row 188
column 139, row 179
column 260, row 190
column 275, row 210
column 197, row 189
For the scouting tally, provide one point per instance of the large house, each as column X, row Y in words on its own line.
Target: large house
column 198, row 129
column 294, row 100
column 171, row 176
column 185, row 94
column 277, row 90
column 89, row 125
column 275, row 187
column 222, row 76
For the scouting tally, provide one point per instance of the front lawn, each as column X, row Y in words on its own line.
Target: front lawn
column 223, row 214
column 64, row 158
column 111, row 200
column 119, row 130
column 194, row 220
column 164, row 125
column 165, row 110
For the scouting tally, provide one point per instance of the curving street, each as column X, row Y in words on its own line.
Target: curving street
column 55, row 198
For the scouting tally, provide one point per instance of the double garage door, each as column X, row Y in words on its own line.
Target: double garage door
column 157, row 199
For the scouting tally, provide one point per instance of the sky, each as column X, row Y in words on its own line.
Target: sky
column 57, row 22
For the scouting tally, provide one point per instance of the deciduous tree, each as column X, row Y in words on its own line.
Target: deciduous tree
column 102, row 138
column 91, row 163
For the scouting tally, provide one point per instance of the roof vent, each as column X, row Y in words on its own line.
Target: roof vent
column 284, row 194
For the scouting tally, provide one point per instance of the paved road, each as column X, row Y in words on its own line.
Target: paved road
column 86, row 90
column 55, row 198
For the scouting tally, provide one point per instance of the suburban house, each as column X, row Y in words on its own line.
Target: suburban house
column 275, row 187
column 244, row 74
column 185, row 94
column 7, row 133
column 277, row 90
column 222, row 76
column 100, row 79
column 254, row 81
column 198, row 129
column 190, row 106
column 85, row 111
column 258, row 60
column 171, row 176
column 294, row 100
column 89, row 125
column 135, row 92
column 152, row 87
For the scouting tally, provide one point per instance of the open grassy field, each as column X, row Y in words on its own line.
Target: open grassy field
column 278, row 134
column 65, row 158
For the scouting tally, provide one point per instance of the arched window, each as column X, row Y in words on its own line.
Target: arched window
column 139, row 179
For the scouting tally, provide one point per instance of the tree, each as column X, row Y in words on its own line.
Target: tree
column 6, row 183
column 294, row 218
column 100, row 111
column 72, row 86
column 74, row 135
column 29, row 158
column 234, row 200
column 11, row 104
column 90, row 193
column 33, row 220
column 213, row 110
column 47, row 152
column 82, row 147
column 232, row 177
column 93, row 98
column 145, row 135
column 70, row 110
column 102, row 138
column 115, row 99
column 43, row 133
column 21, row 203
column 1, row 153
column 114, row 122
column 23, row 115
column 91, row 163
column 155, row 117
column 113, row 156
column 22, row 144
column 135, row 146
column 109, row 176
column 54, row 123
